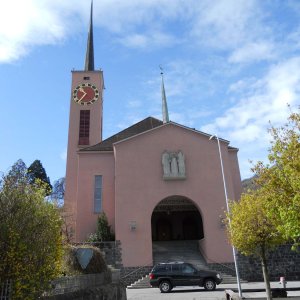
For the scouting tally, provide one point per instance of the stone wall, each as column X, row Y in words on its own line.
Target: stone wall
column 130, row 275
column 281, row 262
column 87, row 286
column 226, row 268
column 107, row 292
column 112, row 252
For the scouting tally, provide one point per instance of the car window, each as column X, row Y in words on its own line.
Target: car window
column 176, row 268
column 165, row 268
column 186, row 269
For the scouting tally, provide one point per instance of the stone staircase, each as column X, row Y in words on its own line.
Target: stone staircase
column 187, row 251
column 142, row 283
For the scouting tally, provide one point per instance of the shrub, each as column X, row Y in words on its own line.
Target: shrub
column 103, row 231
column 30, row 231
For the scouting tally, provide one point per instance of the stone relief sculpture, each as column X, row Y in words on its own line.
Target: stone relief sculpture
column 181, row 165
column 173, row 165
column 166, row 163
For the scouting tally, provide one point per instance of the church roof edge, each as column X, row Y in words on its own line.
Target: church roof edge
column 136, row 129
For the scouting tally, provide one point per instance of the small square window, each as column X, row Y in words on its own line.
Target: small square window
column 86, row 78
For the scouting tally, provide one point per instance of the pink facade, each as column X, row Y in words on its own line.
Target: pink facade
column 139, row 187
column 133, row 186
column 155, row 181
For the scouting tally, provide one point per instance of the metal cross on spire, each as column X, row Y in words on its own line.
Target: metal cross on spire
column 165, row 112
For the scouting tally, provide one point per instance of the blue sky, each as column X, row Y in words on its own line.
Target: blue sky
column 230, row 69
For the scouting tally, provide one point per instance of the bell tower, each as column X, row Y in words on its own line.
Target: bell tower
column 85, row 119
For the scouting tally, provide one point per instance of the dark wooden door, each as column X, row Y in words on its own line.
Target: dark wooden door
column 190, row 229
column 164, row 230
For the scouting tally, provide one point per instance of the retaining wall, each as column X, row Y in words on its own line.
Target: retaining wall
column 281, row 262
column 89, row 286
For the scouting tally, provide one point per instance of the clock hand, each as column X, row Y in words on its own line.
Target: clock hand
column 84, row 94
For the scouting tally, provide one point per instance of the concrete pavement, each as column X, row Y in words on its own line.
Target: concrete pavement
column 197, row 293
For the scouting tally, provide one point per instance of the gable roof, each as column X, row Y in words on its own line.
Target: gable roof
column 140, row 127
column 136, row 129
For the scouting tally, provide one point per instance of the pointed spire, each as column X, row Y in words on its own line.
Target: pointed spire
column 164, row 99
column 89, row 58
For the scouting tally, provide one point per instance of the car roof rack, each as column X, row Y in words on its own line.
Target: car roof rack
column 171, row 262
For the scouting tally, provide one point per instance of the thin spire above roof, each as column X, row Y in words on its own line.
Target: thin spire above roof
column 89, row 58
column 165, row 112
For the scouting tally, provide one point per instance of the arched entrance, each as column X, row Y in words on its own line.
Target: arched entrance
column 176, row 218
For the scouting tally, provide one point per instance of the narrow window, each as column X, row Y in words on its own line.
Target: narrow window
column 98, row 194
column 84, row 127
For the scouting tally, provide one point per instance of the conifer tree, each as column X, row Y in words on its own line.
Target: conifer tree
column 37, row 171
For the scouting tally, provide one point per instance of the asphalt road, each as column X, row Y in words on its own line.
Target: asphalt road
column 196, row 293
column 190, row 293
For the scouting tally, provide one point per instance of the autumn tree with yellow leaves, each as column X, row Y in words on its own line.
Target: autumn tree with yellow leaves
column 270, row 215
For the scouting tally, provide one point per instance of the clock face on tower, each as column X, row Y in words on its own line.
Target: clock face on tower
column 85, row 94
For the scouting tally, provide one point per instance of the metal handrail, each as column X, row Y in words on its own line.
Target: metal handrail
column 211, row 260
column 134, row 271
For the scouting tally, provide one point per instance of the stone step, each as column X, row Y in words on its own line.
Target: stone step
column 187, row 251
column 142, row 283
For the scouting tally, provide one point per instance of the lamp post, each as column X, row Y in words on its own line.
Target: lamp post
column 227, row 207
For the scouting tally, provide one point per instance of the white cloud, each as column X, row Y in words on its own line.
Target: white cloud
column 145, row 24
column 148, row 40
column 268, row 101
column 254, row 51
column 227, row 23
column 44, row 22
column 123, row 16
column 33, row 23
column 245, row 124
column 63, row 155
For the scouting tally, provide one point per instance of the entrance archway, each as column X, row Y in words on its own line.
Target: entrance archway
column 176, row 218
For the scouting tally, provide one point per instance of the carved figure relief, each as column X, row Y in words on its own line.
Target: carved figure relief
column 166, row 164
column 173, row 165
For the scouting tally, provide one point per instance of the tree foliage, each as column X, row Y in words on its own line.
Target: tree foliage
column 280, row 178
column 252, row 230
column 269, row 215
column 30, row 234
column 35, row 172
column 103, row 231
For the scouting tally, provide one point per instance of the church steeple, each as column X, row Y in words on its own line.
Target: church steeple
column 165, row 112
column 89, row 58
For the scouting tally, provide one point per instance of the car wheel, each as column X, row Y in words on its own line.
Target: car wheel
column 209, row 284
column 165, row 286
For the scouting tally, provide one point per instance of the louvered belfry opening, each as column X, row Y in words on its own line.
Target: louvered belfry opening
column 84, row 127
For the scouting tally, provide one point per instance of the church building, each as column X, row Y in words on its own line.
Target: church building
column 156, row 180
